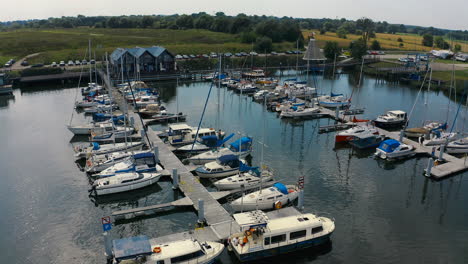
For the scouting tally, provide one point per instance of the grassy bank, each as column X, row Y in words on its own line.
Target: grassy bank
column 71, row 44
column 411, row 42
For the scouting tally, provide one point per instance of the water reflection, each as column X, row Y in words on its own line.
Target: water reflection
column 6, row 99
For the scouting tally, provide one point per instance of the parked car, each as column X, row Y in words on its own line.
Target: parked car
column 274, row 53
column 403, row 60
column 24, row 63
column 8, row 64
column 289, row 52
column 70, row 63
column 192, row 56
column 381, row 52
column 37, row 65
column 227, row 54
column 92, row 62
column 178, row 57
column 238, row 55
column 84, row 62
column 253, row 53
column 185, row 56
column 77, row 62
column 12, row 61
column 205, row 56
column 213, row 55
column 62, row 63
column 54, row 64
column 462, row 57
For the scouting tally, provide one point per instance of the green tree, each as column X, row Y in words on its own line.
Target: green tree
column 240, row 23
column 441, row 43
column 147, row 21
column 375, row 45
column 263, row 44
column 184, row 21
column 358, row 48
column 248, row 37
column 457, row 48
column 204, row 22
column 331, row 49
column 341, row 32
column 393, row 29
column 367, row 26
column 428, row 40
column 402, row 29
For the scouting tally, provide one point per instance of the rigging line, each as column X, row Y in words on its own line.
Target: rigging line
column 415, row 101
column 79, row 82
column 201, row 118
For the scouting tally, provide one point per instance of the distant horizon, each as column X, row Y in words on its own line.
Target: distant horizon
column 431, row 13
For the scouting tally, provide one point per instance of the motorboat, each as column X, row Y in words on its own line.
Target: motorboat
column 354, row 133
column 224, row 166
column 185, row 251
column 393, row 149
column 87, row 129
column 263, row 235
column 182, row 134
column 416, row 132
column 256, row 73
column 437, row 138
column 98, row 163
column 297, row 112
column 392, row 119
column 274, row 197
column 241, row 148
column 247, row 88
column 97, row 149
column 168, row 117
column 366, row 141
column 248, row 179
column 118, row 132
column 458, row 146
column 142, row 162
column 334, row 101
column 145, row 100
column 151, row 110
column 91, row 88
column 123, row 182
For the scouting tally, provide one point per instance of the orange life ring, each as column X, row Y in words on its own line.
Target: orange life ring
column 157, row 250
column 278, row 205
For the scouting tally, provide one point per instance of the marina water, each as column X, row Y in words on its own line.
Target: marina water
column 384, row 212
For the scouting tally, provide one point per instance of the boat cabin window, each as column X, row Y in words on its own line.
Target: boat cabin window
column 278, row 239
column 297, row 234
column 187, row 257
column 270, row 198
column 160, row 262
column 267, row 241
column 279, row 196
column 317, row 229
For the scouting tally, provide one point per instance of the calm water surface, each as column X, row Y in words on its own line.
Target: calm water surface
column 384, row 212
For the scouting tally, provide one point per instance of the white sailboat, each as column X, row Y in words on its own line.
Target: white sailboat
column 247, row 179
column 97, row 149
column 273, row 197
column 123, row 182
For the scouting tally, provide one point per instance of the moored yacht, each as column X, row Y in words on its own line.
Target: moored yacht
column 393, row 149
column 224, row 166
column 181, row 134
column 248, row 179
column 98, row 163
column 458, row 146
column 391, row 119
column 123, row 182
column 186, row 251
column 274, row 197
column 142, row 162
column 97, row 149
column 354, row 133
column 263, row 235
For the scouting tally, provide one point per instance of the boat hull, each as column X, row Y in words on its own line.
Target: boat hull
column 251, row 256
column 389, row 124
column 226, row 173
column 127, row 187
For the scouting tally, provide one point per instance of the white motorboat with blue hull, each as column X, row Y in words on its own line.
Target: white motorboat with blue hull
column 141, row 162
column 241, row 147
column 264, row 235
column 224, row 166
column 124, row 182
column 393, row 149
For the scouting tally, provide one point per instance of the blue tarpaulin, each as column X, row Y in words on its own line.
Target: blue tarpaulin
column 333, row 95
column 281, row 187
column 243, row 144
column 389, row 145
column 96, row 146
column 143, row 155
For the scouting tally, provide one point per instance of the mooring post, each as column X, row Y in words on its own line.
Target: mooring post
column 401, row 136
column 143, row 133
column 441, row 153
column 300, row 202
column 430, row 163
column 201, row 211
column 132, row 121
column 108, row 246
column 337, row 113
column 156, row 154
column 175, row 179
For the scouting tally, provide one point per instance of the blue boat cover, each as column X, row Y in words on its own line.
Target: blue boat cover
column 244, row 168
column 443, row 127
column 333, row 95
column 130, row 248
column 389, row 145
column 143, row 155
column 210, row 141
column 243, row 144
column 281, row 187
column 294, row 108
column 221, row 142
column 227, row 158
column 96, row 146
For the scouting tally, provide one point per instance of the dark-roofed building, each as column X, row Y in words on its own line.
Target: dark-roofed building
column 149, row 60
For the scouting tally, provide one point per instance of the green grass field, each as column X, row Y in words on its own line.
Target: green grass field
column 71, row 44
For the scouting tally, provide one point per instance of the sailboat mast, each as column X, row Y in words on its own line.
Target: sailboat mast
column 90, row 66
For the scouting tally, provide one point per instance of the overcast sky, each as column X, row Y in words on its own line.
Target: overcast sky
column 450, row 14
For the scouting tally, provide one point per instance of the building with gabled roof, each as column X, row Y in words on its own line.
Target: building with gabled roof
column 142, row 60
